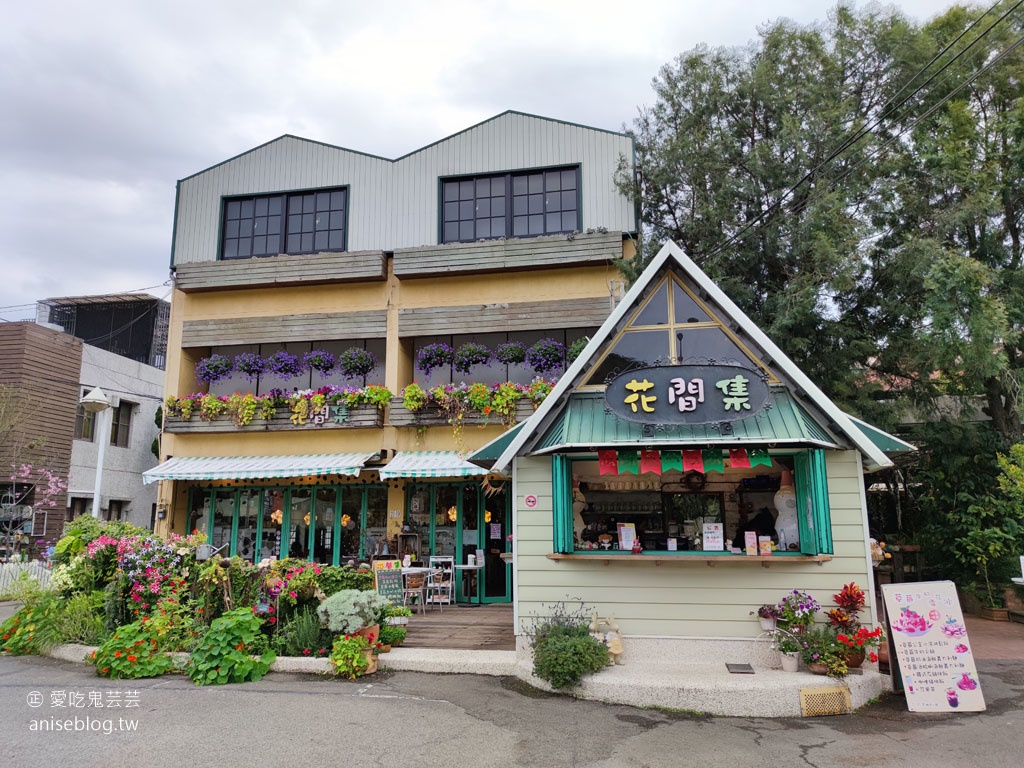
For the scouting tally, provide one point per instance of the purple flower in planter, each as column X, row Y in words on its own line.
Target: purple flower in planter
column 250, row 365
column 434, row 356
column 285, row 365
column 214, row 368
column 320, row 361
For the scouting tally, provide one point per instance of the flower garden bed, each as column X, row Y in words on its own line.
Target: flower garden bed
column 338, row 417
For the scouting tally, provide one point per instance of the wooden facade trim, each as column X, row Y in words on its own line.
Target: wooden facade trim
column 520, row 316
column 692, row 558
column 350, row 418
column 508, row 255
column 320, row 326
column 284, row 270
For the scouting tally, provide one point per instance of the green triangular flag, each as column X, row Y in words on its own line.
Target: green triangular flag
column 713, row 461
column 629, row 461
column 671, row 460
column 759, row 456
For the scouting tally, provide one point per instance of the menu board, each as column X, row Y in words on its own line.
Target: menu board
column 928, row 634
column 388, row 579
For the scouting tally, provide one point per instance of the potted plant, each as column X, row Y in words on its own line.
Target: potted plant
column 789, row 649
column 250, row 365
column 767, row 614
column 434, row 356
column 214, row 368
column 546, row 355
column 796, row 611
column 285, row 365
column 319, row 360
column 356, row 362
column 822, row 652
column 510, row 353
column 353, row 656
column 576, row 348
column 859, row 645
column 352, row 611
column 470, row 355
column 414, row 397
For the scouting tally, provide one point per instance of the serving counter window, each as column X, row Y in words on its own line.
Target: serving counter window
column 684, row 512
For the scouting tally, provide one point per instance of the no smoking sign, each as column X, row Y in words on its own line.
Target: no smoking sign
column 530, row 501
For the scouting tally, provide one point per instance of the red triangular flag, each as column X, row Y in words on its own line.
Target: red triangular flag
column 608, row 461
column 738, row 458
column 693, row 461
column 650, row 461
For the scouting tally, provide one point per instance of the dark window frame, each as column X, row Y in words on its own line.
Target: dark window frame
column 284, row 223
column 467, row 204
column 85, row 422
column 121, row 424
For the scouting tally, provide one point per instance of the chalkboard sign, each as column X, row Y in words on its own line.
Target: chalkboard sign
column 389, row 584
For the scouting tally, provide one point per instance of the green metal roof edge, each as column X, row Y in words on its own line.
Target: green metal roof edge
column 492, row 450
column 888, row 444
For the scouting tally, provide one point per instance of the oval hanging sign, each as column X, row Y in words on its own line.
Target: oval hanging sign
column 687, row 394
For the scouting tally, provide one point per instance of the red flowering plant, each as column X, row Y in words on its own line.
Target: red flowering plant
column 845, row 622
column 862, row 640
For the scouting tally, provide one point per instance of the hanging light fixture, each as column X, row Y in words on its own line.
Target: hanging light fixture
column 453, row 513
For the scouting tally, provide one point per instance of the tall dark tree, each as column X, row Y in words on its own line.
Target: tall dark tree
column 864, row 214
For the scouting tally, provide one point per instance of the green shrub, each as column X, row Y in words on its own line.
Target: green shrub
column 564, row 659
column 334, row 578
column 223, row 653
column 303, row 635
column 142, row 648
column 80, row 619
column 563, row 650
column 392, row 634
column 350, row 610
column 33, row 629
column 26, row 589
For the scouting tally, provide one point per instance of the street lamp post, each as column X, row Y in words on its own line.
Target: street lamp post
column 96, row 402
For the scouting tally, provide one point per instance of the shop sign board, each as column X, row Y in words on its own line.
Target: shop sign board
column 687, row 394
column 928, row 634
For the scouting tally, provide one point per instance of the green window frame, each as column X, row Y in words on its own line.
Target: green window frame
column 810, row 478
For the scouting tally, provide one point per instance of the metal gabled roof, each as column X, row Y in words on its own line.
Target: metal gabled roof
column 586, row 424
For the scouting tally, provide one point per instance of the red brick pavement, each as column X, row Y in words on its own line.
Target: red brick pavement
column 995, row 639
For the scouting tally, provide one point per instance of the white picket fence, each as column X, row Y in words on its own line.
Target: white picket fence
column 9, row 573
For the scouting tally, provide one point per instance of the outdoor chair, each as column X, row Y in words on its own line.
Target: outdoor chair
column 441, row 582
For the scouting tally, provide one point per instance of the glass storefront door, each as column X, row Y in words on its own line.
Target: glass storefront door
column 457, row 519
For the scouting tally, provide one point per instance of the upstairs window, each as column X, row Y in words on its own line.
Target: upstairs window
column 510, row 205
column 301, row 222
column 85, row 422
column 121, row 426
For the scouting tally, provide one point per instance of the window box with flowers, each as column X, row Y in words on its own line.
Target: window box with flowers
column 324, row 408
column 477, row 404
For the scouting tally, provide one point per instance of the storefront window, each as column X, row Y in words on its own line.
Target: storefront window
column 298, row 522
column 199, row 512
column 248, row 517
column 273, row 516
column 351, row 523
column 691, row 511
column 323, row 534
column 377, row 516
column 223, row 519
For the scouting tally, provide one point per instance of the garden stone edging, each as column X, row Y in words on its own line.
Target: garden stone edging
column 430, row 660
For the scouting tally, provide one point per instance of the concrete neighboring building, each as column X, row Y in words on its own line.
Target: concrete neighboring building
column 116, row 342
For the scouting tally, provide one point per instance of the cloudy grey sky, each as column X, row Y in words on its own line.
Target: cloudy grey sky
column 106, row 104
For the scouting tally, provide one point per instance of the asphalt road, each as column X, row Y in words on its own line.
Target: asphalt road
column 421, row 721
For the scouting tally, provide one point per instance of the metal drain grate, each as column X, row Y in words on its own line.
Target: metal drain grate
column 828, row 700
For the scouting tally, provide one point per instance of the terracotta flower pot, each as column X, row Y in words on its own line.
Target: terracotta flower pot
column 854, row 658
column 371, row 662
column 371, row 633
column 818, row 668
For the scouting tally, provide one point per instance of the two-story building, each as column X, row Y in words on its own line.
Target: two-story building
column 441, row 267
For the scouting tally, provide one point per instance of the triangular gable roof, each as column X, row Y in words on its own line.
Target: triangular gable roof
column 671, row 255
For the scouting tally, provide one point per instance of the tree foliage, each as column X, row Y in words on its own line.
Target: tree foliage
column 857, row 189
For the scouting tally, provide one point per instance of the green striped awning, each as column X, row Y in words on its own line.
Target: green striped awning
column 429, row 464
column 257, row 467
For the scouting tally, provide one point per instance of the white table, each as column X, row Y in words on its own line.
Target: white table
column 465, row 569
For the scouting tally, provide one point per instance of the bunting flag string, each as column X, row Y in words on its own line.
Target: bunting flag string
column 693, row 461
column 650, row 461
column 713, row 460
column 608, row 462
column 671, row 460
column 629, row 462
column 738, row 458
column 612, row 462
